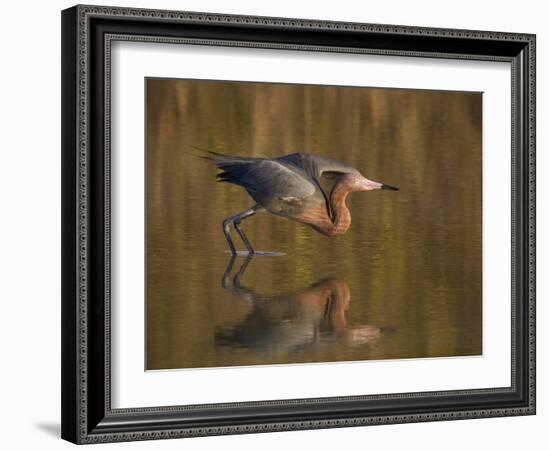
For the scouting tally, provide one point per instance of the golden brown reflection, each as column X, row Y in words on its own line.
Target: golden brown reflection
column 411, row 259
column 292, row 322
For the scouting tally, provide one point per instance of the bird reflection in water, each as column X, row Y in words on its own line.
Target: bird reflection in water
column 309, row 319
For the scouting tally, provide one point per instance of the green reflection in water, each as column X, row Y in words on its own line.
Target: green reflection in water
column 405, row 280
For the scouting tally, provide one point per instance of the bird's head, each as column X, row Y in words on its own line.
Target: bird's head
column 357, row 182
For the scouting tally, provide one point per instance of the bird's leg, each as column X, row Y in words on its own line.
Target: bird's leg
column 236, row 220
column 237, row 223
column 227, row 232
column 247, row 243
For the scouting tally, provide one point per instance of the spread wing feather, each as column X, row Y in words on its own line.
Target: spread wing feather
column 316, row 166
column 263, row 178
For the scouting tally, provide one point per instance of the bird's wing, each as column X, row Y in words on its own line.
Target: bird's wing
column 316, row 166
column 290, row 177
column 267, row 178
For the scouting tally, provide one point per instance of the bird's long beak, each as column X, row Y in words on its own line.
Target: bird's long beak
column 370, row 185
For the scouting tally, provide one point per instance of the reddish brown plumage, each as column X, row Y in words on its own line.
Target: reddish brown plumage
column 319, row 219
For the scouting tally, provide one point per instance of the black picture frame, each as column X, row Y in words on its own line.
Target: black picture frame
column 87, row 416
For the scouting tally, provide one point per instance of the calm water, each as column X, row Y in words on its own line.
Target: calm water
column 403, row 282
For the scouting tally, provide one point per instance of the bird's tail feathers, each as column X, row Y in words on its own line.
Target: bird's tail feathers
column 219, row 159
column 233, row 169
column 199, row 152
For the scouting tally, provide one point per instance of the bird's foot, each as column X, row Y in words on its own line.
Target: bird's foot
column 259, row 253
column 255, row 253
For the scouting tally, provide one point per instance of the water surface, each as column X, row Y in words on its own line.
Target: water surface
column 403, row 282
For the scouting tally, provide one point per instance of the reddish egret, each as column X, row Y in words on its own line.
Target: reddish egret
column 290, row 186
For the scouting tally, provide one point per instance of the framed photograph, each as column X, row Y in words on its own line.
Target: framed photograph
column 279, row 224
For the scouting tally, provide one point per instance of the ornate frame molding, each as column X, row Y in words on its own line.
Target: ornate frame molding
column 80, row 418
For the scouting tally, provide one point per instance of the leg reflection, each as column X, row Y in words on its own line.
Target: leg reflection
column 233, row 284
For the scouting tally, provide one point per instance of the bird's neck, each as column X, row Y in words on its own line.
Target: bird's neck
column 341, row 217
